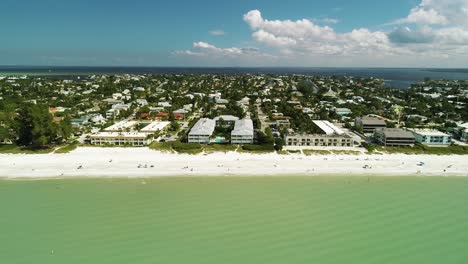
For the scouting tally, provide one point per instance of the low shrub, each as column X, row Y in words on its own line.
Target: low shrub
column 262, row 148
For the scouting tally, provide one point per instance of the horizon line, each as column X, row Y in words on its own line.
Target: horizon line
column 228, row 67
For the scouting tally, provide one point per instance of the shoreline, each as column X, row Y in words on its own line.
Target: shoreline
column 92, row 162
column 279, row 176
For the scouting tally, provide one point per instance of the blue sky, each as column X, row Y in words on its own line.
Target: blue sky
column 216, row 33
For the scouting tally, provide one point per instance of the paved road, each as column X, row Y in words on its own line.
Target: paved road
column 262, row 117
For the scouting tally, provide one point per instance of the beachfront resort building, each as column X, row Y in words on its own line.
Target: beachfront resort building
column 394, row 137
column 369, row 124
column 243, row 132
column 330, row 136
column 155, row 127
column 431, row 137
column 120, row 138
column 462, row 131
column 317, row 140
column 228, row 120
column 201, row 132
column 121, row 126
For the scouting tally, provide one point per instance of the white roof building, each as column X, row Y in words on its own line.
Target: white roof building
column 139, row 89
column 180, row 111
column 328, row 128
column 204, row 126
column 120, row 126
column 307, row 110
column 113, row 101
column 429, row 132
column 155, row 127
column 431, row 137
column 243, row 127
column 227, row 118
column 141, row 102
column 202, row 131
column 97, row 118
column 463, row 126
column 244, row 101
column 463, row 131
column 120, row 138
column 222, row 101
column 122, row 106
column 243, row 132
column 116, row 96
column 164, row 104
column 120, row 135
column 188, row 107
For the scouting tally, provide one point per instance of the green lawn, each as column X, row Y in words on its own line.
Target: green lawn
column 420, row 149
column 219, row 148
column 13, row 149
column 163, row 147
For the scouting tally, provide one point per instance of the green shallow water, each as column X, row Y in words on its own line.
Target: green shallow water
column 235, row 220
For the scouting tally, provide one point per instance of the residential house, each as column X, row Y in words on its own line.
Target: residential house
column 139, row 89
column 283, row 123
column 78, row 122
column 141, row 102
column 165, row 104
column 112, row 101
column 180, row 112
column 117, row 96
column 121, row 107
column 221, row 101
column 331, row 94
column 343, row 111
column 112, row 113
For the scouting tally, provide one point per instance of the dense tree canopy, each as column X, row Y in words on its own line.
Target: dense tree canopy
column 35, row 127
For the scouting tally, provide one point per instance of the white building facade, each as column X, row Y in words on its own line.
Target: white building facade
column 331, row 136
column 120, row 139
column 317, row 140
column 243, row 132
column 431, row 137
column 463, row 132
column 201, row 132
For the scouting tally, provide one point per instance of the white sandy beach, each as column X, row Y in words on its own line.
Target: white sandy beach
column 143, row 162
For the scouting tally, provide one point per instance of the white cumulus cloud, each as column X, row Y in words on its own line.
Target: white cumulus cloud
column 442, row 22
column 217, row 32
column 328, row 20
column 421, row 15
column 226, row 56
column 434, row 32
column 305, row 37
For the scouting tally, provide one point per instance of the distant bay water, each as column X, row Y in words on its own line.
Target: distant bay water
column 394, row 77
